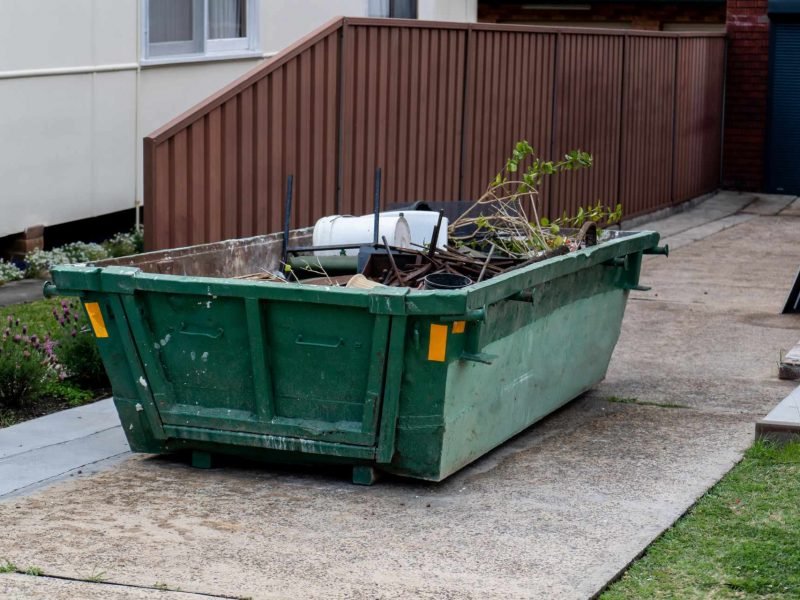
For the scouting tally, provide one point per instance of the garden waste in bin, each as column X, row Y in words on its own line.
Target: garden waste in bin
column 416, row 383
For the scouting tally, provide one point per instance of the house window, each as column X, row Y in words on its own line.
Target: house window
column 394, row 9
column 187, row 29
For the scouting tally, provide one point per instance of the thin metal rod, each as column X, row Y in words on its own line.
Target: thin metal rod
column 287, row 218
column 298, row 249
column 377, row 206
column 435, row 235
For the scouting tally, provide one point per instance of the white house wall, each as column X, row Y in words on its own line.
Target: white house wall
column 168, row 90
column 75, row 104
column 67, row 140
column 436, row 10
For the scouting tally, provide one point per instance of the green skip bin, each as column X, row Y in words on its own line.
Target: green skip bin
column 416, row 383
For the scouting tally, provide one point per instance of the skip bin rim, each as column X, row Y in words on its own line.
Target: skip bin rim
column 75, row 279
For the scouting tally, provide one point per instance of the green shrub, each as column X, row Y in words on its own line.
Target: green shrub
column 83, row 252
column 76, row 350
column 125, row 244
column 25, row 366
column 9, row 272
column 38, row 262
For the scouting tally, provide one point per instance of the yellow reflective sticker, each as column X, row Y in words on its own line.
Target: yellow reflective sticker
column 437, row 348
column 458, row 326
column 96, row 319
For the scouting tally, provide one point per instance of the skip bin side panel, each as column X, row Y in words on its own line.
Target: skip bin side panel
column 420, row 425
column 134, row 402
column 545, row 354
column 275, row 367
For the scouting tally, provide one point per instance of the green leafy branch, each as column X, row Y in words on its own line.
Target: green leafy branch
column 512, row 194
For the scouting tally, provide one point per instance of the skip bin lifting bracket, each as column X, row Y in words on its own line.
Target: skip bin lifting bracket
column 472, row 351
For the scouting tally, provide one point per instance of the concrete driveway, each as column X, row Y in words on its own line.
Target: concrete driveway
column 554, row 513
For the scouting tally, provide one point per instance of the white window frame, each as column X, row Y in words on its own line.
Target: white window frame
column 204, row 48
column 372, row 10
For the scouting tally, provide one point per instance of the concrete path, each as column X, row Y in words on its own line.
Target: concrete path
column 554, row 513
column 783, row 422
column 16, row 292
column 72, row 442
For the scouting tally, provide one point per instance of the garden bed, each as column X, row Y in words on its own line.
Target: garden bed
column 48, row 360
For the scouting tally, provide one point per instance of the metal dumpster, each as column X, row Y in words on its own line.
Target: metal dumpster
column 417, row 383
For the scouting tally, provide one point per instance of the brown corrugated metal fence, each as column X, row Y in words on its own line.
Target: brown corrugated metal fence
column 438, row 106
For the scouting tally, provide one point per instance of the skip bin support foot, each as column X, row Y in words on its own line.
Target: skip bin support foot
column 202, row 460
column 364, row 475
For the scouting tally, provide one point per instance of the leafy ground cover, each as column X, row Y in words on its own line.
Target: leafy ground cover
column 741, row 539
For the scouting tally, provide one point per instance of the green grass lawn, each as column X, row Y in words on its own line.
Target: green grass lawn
column 741, row 540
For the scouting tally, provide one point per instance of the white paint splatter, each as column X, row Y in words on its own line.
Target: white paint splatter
column 156, row 345
column 193, row 355
column 166, row 339
column 130, row 428
column 208, row 304
column 139, row 407
column 142, row 382
column 204, row 356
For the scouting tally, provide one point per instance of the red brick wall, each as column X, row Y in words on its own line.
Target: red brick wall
column 639, row 15
column 746, row 94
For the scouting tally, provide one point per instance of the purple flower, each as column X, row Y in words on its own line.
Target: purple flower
column 24, row 330
column 17, row 338
column 34, row 338
column 26, row 354
column 10, row 319
column 16, row 323
column 63, row 304
column 74, row 333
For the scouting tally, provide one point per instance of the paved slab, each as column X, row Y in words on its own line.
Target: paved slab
column 768, row 204
column 793, row 210
column 783, row 422
column 58, row 428
column 73, row 442
column 556, row 512
column 720, row 205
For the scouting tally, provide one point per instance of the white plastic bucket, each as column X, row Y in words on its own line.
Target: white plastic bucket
column 342, row 230
column 421, row 223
